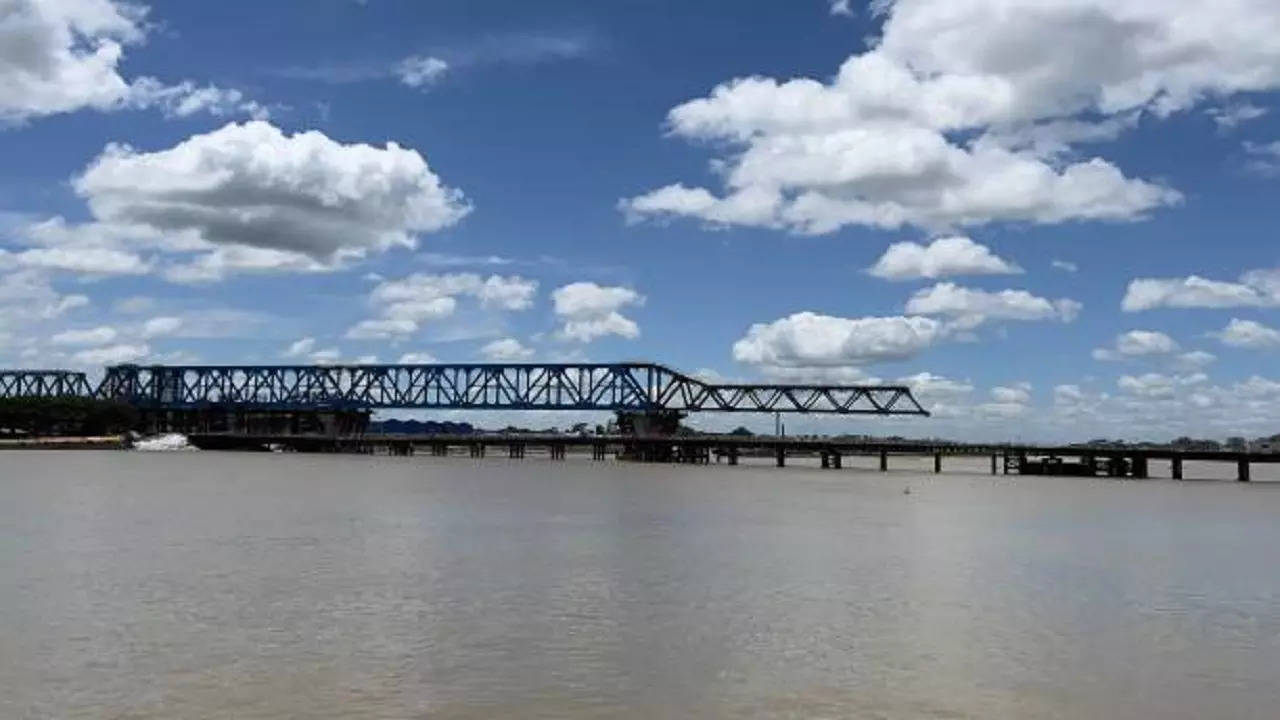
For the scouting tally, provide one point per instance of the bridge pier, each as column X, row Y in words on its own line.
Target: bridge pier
column 826, row 460
column 557, row 451
column 1242, row 471
column 1140, row 468
column 884, row 461
column 1176, row 470
column 781, row 454
column 937, row 463
column 733, row 455
column 599, row 451
column 993, row 463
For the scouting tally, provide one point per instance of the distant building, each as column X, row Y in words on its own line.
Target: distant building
column 1266, row 445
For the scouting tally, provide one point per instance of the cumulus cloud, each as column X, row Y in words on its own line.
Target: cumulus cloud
column 299, row 348
column 1065, row 266
column 808, row 339
column 1230, row 116
column 592, row 311
column 89, row 336
column 112, row 354
column 1256, row 288
column 79, row 260
column 417, row 358
column 1264, row 158
column 506, row 350
column 944, row 257
column 28, row 300
column 160, row 327
column 970, row 112
column 416, row 71
column 1139, row 343
column 970, row 307
column 60, row 56
column 1157, row 385
column 842, row 7
column 1248, row 334
column 403, row 305
column 243, row 198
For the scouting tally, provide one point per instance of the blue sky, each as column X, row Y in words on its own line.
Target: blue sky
column 1054, row 219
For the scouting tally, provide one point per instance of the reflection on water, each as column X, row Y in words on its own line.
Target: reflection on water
column 283, row 586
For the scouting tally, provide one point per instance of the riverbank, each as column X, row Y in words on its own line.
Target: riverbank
column 84, row 442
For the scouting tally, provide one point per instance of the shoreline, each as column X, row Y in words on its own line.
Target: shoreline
column 85, row 442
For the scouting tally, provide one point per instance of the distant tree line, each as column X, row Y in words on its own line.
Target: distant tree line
column 70, row 416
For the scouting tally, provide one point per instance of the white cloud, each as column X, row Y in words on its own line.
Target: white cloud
column 112, row 354
column 1137, row 343
column 89, row 336
column 591, row 311
column 82, row 260
column 26, row 297
column 1020, row 394
column 842, row 7
column 807, row 339
column 328, row 356
column 416, row 71
column 506, row 350
column 299, row 347
column 1256, row 288
column 970, row 112
column 1156, row 385
column 944, row 257
column 1065, row 266
column 1195, row 360
column 381, row 329
column 1230, row 116
column 249, row 198
column 404, row 304
column 970, row 307
column 60, row 56
column 161, row 327
column 1264, row 157
column 1248, row 334
column 417, row 358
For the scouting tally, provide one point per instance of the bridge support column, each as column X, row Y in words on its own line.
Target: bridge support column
column 1140, row 468
column 884, row 461
column 781, row 457
column 1177, row 468
column 836, row 460
column 733, row 455
column 993, row 463
column 826, row 460
column 937, row 462
column 1242, row 471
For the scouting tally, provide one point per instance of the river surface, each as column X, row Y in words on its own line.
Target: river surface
column 207, row 585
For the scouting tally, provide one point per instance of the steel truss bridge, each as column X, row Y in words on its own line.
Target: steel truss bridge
column 619, row 387
column 44, row 384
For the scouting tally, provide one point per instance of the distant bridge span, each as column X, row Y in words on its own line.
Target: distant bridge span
column 637, row 387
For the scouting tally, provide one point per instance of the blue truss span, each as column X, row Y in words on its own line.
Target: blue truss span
column 643, row 387
column 43, row 384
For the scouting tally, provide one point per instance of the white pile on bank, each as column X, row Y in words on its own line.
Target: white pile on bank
column 164, row 443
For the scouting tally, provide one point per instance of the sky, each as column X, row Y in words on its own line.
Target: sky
column 1053, row 219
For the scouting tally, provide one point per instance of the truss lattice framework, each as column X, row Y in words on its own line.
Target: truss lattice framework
column 43, row 384
column 623, row 386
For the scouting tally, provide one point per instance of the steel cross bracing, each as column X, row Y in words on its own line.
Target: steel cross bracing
column 43, row 384
column 623, row 386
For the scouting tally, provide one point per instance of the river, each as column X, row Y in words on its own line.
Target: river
column 222, row 585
